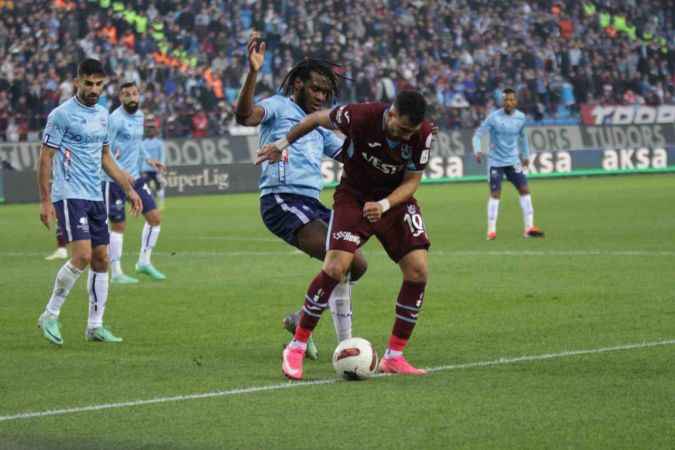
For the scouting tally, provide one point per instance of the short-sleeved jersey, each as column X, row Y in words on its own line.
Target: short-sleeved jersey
column 373, row 165
column 153, row 148
column 300, row 173
column 78, row 133
column 507, row 138
column 126, row 140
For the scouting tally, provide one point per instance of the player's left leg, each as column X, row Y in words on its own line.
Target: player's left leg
column 408, row 306
column 71, row 215
column 519, row 180
column 115, row 199
column 150, row 233
column 335, row 266
column 403, row 236
column 312, row 240
column 495, row 179
column 97, row 281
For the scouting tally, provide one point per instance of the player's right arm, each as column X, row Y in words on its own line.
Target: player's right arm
column 272, row 152
column 475, row 141
column 47, row 213
column 57, row 124
column 248, row 113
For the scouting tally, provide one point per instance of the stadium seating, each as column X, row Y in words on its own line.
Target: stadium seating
column 459, row 52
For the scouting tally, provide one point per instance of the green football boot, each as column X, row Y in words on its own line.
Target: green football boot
column 149, row 269
column 101, row 334
column 290, row 323
column 123, row 278
column 49, row 324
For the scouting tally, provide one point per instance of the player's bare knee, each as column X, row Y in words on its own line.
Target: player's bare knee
column 335, row 269
column 153, row 218
column 415, row 269
column 99, row 259
column 524, row 190
column 81, row 259
column 358, row 268
column 416, row 273
column 496, row 194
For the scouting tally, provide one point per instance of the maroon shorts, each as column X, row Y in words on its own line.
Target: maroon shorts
column 400, row 230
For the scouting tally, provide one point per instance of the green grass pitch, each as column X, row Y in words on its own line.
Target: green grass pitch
column 603, row 278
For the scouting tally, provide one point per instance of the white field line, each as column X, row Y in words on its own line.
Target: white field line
column 289, row 385
column 433, row 252
column 230, row 238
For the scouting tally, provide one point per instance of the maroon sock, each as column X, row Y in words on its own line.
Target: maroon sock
column 316, row 301
column 408, row 306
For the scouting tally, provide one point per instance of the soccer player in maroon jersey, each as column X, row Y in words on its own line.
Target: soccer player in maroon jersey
column 385, row 152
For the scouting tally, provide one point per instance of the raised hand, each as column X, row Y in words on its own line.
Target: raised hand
column 256, row 51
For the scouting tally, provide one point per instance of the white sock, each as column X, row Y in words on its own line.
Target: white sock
column 148, row 241
column 528, row 210
column 389, row 353
column 492, row 213
column 97, row 285
column 65, row 280
column 116, row 245
column 340, row 303
column 160, row 195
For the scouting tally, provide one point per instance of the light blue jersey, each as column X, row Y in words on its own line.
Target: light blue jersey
column 153, row 148
column 78, row 133
column 126, row 140
column 301, row 174
column 507, row 138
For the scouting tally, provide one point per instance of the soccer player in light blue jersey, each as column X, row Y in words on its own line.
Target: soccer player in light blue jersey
column 289, row 190
column 153, row 152
column 75, row 147
column 508, row 155
column 126, row 143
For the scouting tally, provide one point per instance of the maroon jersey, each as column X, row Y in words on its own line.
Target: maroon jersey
column 372, row 168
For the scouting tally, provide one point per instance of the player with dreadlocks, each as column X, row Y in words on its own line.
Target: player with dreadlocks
column 290, row 188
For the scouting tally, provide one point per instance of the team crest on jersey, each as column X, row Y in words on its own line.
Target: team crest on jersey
column 412, row 210
column 406, row 152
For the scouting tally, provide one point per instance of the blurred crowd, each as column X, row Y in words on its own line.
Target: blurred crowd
column 189, row 55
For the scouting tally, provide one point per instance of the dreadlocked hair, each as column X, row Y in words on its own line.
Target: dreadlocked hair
column 333, row 72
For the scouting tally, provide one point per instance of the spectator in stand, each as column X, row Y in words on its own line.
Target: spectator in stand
column 454, row 51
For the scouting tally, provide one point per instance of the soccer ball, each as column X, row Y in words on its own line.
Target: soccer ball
column 355, row 359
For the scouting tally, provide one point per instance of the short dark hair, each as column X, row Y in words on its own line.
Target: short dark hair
column 508, row 90
column 412, row 105
column 89, row 67
column 127, row 84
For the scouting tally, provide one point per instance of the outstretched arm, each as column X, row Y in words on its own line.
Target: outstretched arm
column 272, row 152
column 247, row 113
